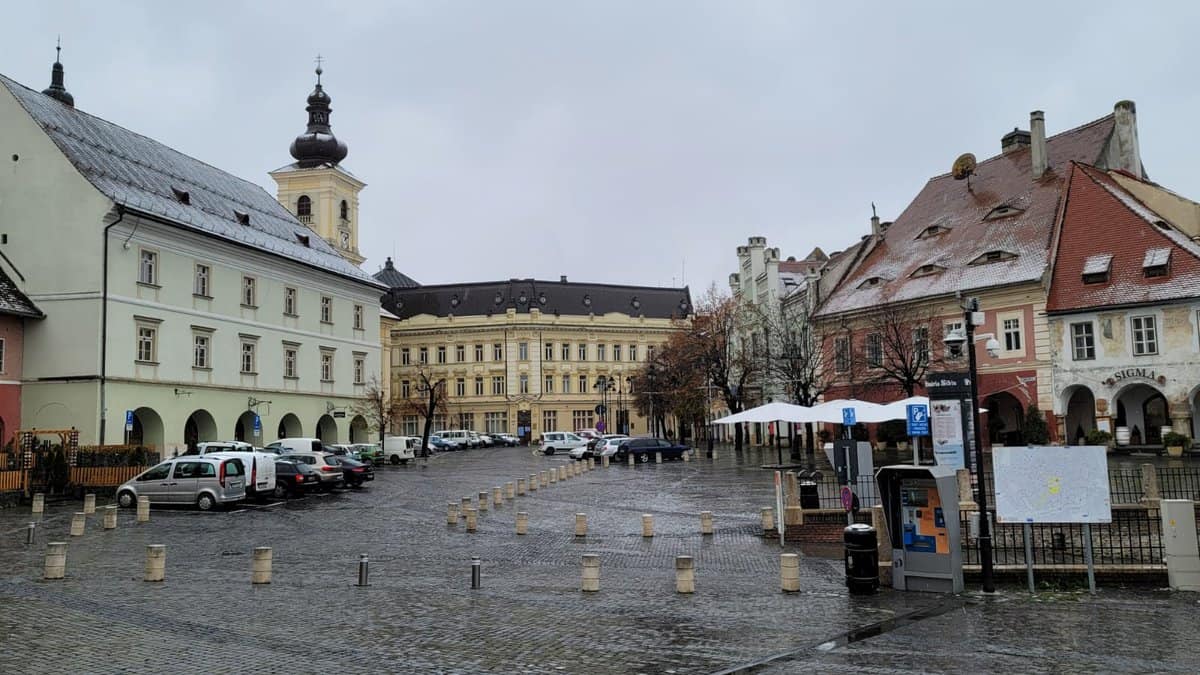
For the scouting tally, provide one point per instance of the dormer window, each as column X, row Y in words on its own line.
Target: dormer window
column 869, row 282
column 1003, row 211
column 242, row 217
column 181, row 196
column 1156, row 262
column 994, row 256
column 933, row 231
column 302, row 238
column 928, row 270
column 1096, row 267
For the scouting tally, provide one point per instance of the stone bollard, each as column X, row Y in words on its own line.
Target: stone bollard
column 452, row 513
column 464, row 505
column 533, row 482
column 143, row 509
column 553, row 477
column 260, row 565
column 591, row 573
column 56, row 560
column 156, row 562
column 630, row 459
column 687, row 456
column 497, row 496
column 78, row 524
column 591, row 463
column 658, row 457
column 510, row 490
column 768, row 519
column 789, row 572
column 604, row 462
column 483, row 501
column 714, row 457
column 580, row 524
column 39, row 503
column 89, row 503
column 472, row 519
column 562, row 473
column 521, row 486
column 522, row 522
column 647, row 525
column 685, row 574
column 110, row 517
column 706, row 522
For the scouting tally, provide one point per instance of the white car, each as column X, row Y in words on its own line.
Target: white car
column 555, row 441
column 259, row 465
column 400, row 449
column 607, row 447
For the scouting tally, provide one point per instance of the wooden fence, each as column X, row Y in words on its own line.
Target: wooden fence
column 81, row 476
column 11, row 481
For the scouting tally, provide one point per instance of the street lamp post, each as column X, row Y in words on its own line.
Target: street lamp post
column 970, row 307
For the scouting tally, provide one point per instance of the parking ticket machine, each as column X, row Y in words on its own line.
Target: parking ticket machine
column 920, row 505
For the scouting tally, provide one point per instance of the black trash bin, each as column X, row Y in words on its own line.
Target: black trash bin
column 862, row 559
column 809, row 497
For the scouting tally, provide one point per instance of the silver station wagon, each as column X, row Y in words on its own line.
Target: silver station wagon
column 207, row 482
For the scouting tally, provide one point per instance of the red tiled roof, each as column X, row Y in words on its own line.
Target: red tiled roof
column 1101, row 218
column 962, row 208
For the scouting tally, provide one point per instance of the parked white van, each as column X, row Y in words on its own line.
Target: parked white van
column 400, row 449
column 297, row 445
column 260, row 466
column 460, row 436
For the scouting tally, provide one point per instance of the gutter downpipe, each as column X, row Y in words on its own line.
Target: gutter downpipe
column 104, row 323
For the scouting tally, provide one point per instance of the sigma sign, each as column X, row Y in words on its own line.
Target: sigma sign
column 1135, row 373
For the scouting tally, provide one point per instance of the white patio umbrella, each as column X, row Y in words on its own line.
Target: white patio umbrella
column 770, row 412
column 831, row 411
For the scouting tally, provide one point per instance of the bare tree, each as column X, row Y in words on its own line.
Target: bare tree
column 797, row 361
column 715, row 346
column 896, row 348
column 375, row 406
column 426, row 400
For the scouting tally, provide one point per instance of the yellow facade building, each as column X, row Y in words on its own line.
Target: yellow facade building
column 526, row 356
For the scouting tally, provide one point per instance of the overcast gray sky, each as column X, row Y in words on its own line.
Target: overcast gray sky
column 620, row 142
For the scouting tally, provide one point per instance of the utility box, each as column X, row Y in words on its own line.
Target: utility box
column 920, row 504
column 1180, row 549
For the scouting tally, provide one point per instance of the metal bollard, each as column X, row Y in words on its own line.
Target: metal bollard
column 476, row 572
column 647, row 525
column 30, row 533
column 706, row 522
column 591, row 573
column 156, row 562
column 78, row 524
column 143, row 509
column 497, row 496
column 658, row 457
column 522, row 522
column 39, row 502
column 260, row 565
column 789, row 572
column 685, row 574
column 521, row 486
column 580, row 524
column 483, row 501
column 768, row 518
column 452, row 513
column 363, row 569
column 89, row 503
column 511, row 490
column 56, row 560
column 472, row 519
column 110, row 517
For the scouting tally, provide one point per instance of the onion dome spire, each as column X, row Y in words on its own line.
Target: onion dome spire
column 57, row 90
column 317, row 145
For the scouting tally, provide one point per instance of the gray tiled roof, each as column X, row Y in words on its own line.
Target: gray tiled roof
column 551, row 297
column 142, row 174
column 13, row 302
column 394, row 278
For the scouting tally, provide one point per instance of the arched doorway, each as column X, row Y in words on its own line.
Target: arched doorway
column 289, row 427
column 1144, row 411
column 200, row 426
column 1081, row 413
column 243, row 430
column 147, row 429
column 358, row 430
column 1006, row 419
column 327, row 429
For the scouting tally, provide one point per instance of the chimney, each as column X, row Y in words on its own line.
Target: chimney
column 1014, row 140
column 1037, row 132
column 1128, row 156
column 875, row 226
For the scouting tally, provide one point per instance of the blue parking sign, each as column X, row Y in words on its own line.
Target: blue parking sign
column 918, row 419
column 848, row 417
column 128, row 420
column 257, row 425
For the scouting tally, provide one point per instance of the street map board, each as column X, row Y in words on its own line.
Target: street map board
column 1052, row 484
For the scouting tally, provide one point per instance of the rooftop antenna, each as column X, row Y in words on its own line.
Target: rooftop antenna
column 319, row 60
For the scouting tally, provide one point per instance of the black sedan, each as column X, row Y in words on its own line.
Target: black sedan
column 354, row 472
column 294, row 479
column 642, row 450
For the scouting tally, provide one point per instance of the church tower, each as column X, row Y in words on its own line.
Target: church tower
column 316, row 188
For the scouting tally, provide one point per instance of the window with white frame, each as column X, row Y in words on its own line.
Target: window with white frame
column 548, row 352
column 441, row 354
column 326, row 365
column 841, row 354
column 949, row 328
column 649, row 352
column 201, row 346
column 549, row 420
column 326, row 309
column 523, row 382
column 566, row 351
column 874, row 349
column 616, row 352
column 583, row 351
column 497, row 352
column 249, row 292
column 409, row 425
column 548, row 384
column 478, row 353
column 405, row 389
column 601, row 352
column 479, row 386
column 1145, row 335
column 358, row 317
column 497, row 385
column 633, row 352
column 405, row 356
column 583, row 387
column 460, row 386
column 495, row 422
column 148, row 267
column 460, row 353
column 523, row 351
column 360, row 368
column 289, row 301
column 147, row 342
column 1011, row 327
column 249, row 356
column 423, row 355
column 920, row 337
column 581, row 419
column 200, row 284
column 289, row 361
column 1083, row 341
column 566, row 388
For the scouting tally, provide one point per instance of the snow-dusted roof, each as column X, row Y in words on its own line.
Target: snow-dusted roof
column 1097, row 264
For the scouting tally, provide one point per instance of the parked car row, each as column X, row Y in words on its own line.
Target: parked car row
column 462, row 439
column 617, row 446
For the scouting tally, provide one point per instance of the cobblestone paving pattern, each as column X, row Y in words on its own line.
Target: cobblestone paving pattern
column 419, row 614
